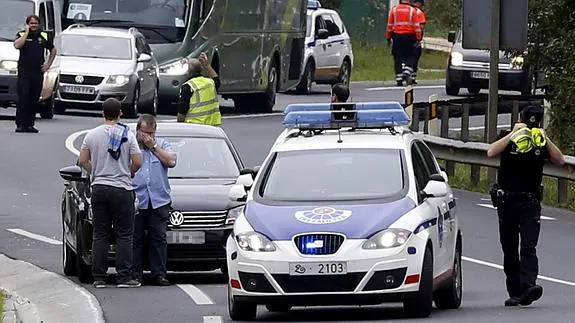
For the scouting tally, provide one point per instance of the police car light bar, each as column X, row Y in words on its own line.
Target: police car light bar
column 360, row 119
column 296, row 107
column 313, row 4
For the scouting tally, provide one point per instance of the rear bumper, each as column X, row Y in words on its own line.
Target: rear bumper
column 509, row 80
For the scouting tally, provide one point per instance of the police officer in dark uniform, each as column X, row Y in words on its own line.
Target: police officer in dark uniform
column 517, row 196
column 32, row 43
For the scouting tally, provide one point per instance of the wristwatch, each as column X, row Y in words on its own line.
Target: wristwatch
column 155, row 145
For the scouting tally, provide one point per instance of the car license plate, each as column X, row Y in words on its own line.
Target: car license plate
column 77, row 89
column 480, row 75
column 317, row 268
column 186, row 237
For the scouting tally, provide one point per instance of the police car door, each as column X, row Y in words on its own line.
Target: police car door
column 320, row 48
column 432, row 205
column 334, row 44
column 147, row 85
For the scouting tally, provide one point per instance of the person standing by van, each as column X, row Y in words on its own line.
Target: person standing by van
column 32, row 43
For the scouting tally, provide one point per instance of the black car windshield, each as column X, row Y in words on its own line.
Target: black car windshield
column 202, row 158
column 159, row 20
column 334, row 174
column 308, row 26
column 13, row 17
column 95, row 46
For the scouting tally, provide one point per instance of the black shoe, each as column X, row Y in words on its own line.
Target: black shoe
column 100, row 284
column 32, row 130
column 512, row 301
column 399, row 83
column 129, row 284
column 160, row 281
column 531, row 294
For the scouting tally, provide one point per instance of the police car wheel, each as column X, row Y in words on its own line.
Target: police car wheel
column 84, row 270
column 47, row 109
column 422, row 304
column 305, row 84
column 240, row 311
column 449, row 297
column 68, row 256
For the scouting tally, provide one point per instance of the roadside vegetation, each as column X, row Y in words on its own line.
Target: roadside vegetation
column 375, row 63
column 1, row 305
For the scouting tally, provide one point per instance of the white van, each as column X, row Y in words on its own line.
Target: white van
column 13, row 19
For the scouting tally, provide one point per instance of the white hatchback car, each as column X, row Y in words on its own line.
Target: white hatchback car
column 336, row 216
column 328, row 50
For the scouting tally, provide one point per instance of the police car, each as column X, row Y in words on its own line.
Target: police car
column 328, row 50
column 349, row 207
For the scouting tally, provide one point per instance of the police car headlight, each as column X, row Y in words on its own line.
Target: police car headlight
column 456, row 59
column 233, row 214
column 118, row 80
column 11, row 66
column 254, row 241
column 179, row 67
column 389, row 238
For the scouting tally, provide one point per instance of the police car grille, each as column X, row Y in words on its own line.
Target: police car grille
column 318, row 243
column 88, row 80
column 202, row 220
column 319, row 283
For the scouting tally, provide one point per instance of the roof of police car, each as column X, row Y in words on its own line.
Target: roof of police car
column 361, row 138
column 183, row 129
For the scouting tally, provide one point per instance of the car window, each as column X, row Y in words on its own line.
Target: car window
column 421, row 175
column 202, row 158
column 43, row 16
column 308, row 26
column 50, row 16
column 140, row 47
column 428, row 158
column 332, row 28
column 339, row 23
column 334, row 174
column 96, row 47
column 12, row 16
column 319, row 23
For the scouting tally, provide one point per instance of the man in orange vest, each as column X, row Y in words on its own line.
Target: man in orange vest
column 404, row 29
column 418, row 4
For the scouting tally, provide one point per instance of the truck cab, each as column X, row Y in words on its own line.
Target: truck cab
column 12, row 20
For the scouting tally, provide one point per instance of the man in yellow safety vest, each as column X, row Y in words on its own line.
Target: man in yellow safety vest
column 198, row 102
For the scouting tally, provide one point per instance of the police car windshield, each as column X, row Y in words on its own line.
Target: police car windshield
column 95, row 47
column 202, row 158
column 308, row 28
column 334, row 174
column 13, row 17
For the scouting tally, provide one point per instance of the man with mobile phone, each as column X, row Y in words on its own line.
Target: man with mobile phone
column 32, row 43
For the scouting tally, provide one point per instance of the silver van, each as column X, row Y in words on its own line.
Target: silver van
column 13, row 19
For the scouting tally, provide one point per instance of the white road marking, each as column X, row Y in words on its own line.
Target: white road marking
column 69, row 143
column 492, row 265
column 213, row 319
column 415, row 88
column 199, row 297
column 489, row 206
column 35, row 236
column 485, row 199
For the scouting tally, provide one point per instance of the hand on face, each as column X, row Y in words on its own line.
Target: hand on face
column 147, row 140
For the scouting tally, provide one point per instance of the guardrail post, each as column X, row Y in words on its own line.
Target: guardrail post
column 414, row 123
column 514, row 113
column 475, row 169
column 562, row 189
column 408, row 95
column 431, row 121
column 449, row 165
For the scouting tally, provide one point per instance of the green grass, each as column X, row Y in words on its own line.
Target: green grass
column 1, row 305
column 462, row 180
column 375, row 63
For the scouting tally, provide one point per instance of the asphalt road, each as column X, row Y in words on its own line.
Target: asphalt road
column 30, row 193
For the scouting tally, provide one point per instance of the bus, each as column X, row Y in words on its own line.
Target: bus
column 256, row 46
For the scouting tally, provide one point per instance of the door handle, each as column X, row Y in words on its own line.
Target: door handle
column 329, row 45
column 341, row 42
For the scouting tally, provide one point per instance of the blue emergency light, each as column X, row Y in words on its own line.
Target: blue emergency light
column 313, row 4
column 325, row 116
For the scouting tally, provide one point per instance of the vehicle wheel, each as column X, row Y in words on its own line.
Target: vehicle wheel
column 224, row 269
column 345, row 73
column 47, row 108
column 240, row 311
column 68, row 256
column 153, row 107
column 305, row 84
column 278, row 308
column 450, row 296
column 451, row 90
column 84, row 271
column 268, row 99
column 59, row 107
column 473, row 90
column 131, row 111
column 422, row 304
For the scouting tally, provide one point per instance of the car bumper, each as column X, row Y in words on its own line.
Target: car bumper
column 98, row 93
column 372, row 275
column 510, row 80
column 8, row 89
column 209, row 255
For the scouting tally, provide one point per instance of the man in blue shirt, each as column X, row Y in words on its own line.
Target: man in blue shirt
column 153, row 194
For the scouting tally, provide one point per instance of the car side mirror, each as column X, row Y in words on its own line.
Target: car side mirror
column 246, row 180
column 322, row 34
column 72, row 174
column 144, row 58
column 238, row 193
column 445, row 176
column 451, row 36
column 436, row 187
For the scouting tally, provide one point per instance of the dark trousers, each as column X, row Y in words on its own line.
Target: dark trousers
column 519, row 218
column 29, row 90
column 155, row 223
column 404, row 55
column 418, row 51
column 113, row 209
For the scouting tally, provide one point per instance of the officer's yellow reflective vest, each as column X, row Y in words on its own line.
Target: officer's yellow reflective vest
column 526, row 139
column 43, row 34
column 204, row 105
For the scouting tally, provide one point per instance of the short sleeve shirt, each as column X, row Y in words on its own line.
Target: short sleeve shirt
column 32, row 54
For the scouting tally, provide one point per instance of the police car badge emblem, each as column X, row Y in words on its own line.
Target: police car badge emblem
column 322, row 215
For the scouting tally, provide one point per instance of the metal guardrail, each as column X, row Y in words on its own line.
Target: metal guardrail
column 438, row 44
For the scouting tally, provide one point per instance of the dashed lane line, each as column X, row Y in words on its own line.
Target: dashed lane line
column 35, row 236
column 197, row 295
column 489, row 206
column 213, row 319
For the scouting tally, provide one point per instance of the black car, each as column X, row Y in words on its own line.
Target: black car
column 469, row 68
column 202, row 215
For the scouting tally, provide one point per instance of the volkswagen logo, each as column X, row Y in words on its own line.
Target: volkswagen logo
column 176, row 218
column 79, row 79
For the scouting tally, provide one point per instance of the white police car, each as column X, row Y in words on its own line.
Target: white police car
column 339, row 215
column 328, row 50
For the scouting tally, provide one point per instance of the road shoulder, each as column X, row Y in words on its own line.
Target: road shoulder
column 38, row 295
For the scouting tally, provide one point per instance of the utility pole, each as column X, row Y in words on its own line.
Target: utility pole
column 493, row 101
